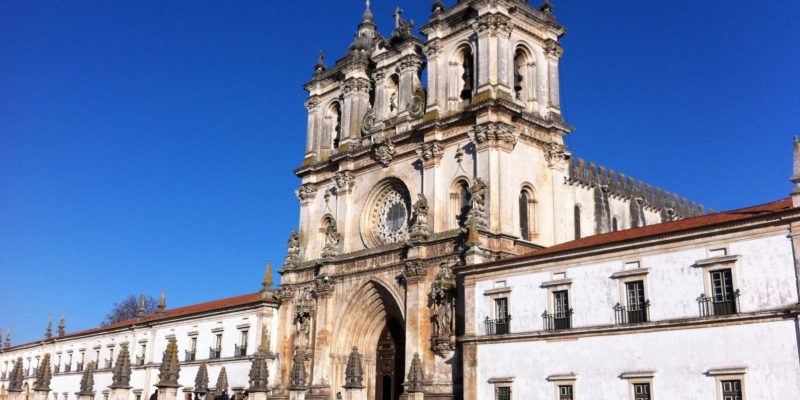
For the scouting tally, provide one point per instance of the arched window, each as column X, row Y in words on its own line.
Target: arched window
column 527, row 213
column 460, row 203
column 614, row 224
column 577, row 216
column 335, row 119
column 467, row 73
column 519, row 72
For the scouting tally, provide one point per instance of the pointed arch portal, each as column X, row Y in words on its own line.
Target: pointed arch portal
column 373, row 321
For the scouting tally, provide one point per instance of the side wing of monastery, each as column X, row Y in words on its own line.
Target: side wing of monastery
column 451, row 246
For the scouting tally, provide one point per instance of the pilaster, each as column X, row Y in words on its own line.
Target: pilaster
column 415, row 272
column 324, row 288
column 123, row 394
column 553, row 53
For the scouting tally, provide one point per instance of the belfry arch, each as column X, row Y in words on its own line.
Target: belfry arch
column 374, row 322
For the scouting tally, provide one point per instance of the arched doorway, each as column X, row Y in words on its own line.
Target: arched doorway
column 372, row 321
column 389, row 362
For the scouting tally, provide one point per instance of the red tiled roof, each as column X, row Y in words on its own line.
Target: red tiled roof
column 687, row 224
column 214, row 305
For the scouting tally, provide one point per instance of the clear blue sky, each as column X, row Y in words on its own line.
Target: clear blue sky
column 150, row 144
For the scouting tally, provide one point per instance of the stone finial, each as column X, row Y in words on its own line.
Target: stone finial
column 354, row 373
column 61, row 327
column 43, row 375
column 162, row 304
column 546, row 7
column 87, row 381
column 796, row 173
column 437, row 7
column 16, row 377
column 320, row 65
column 48, row 333
column 266, row 284
column 222, row 381
column 201, row 379
column 169, row 371
column 297, row 379
column 419, row 227
column 259, row 373
column 142, row 312
column 7, row 344
column 415, row 375
column 121, row 374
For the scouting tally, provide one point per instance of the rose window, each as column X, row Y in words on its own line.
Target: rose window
column 388, row 215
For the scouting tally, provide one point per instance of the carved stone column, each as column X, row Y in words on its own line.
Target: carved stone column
column 312, row 129
column 409, row 72
column 553, row 53
column 416, row 309
column 356, row 105
column 323, row 288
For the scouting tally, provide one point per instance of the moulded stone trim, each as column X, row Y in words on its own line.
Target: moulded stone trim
column 556, row 282
column 503, row 379
column 727, row 371
column 499, row 290
column 217, row 330
column 716, row 261
column 637, row 374
column 630, row 272
column 571, row 377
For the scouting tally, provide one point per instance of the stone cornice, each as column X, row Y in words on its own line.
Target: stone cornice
column 654, row 326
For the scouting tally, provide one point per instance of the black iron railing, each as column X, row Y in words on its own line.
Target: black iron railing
column 56, row 368
column 559, row 320
column 632, row 314
column 140, row 360
column 79, row 367
column 718, row 305
column 109, row 364
column 189, row 355
column 67, row 367
column 214, row 353
column 500, row 326
column 240, row 351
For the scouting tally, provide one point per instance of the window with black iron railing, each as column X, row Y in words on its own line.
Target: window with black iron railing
column 240, row 351
column 189, row 355
column 140, row 360
column 557, row 320
column 500, row 326
column 67, row 367
column 79, row 367
column 214, row 353
column 109, row 364
column 56, row 368
column 632, row 314
column 723, row 304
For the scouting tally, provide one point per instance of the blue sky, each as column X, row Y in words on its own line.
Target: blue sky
column 148, row 145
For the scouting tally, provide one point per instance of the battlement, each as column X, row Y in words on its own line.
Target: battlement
column 671, row 205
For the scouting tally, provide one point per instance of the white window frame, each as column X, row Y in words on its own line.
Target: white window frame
column 713, row 264
column 639, row 377
column 505, row 381
column 632, row 272
column 563, row 380
column 728, row 374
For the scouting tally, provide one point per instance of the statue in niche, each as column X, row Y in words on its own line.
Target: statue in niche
column 393, row 103
column 443, row 305
column 302, row 330
column 419, row 230
column 332, row 239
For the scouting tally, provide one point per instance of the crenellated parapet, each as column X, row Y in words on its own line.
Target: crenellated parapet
column 671, row 205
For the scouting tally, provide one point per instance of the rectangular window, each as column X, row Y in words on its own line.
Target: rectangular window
column 722, row 292
column 504, row 393
column 641, row 391
column 193, row 346
column 97, row 358
column 637, row 306
column 218, row 342
column 501, row 308
column 243, row 339
column 565, row 392
column 732, row 390
column 561, row 310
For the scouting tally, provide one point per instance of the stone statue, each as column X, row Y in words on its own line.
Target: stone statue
column 332, row 239
column 393, row 102
column 477, row 213
column 292, row 249
column 419, row 230
column 443, row 305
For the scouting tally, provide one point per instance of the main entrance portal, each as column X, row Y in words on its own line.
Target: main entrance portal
column 390, row 362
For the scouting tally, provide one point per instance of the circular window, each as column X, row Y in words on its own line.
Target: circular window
column 387, row 214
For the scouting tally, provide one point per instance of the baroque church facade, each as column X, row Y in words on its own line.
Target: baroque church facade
column 437, row 201
column 404, row 180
